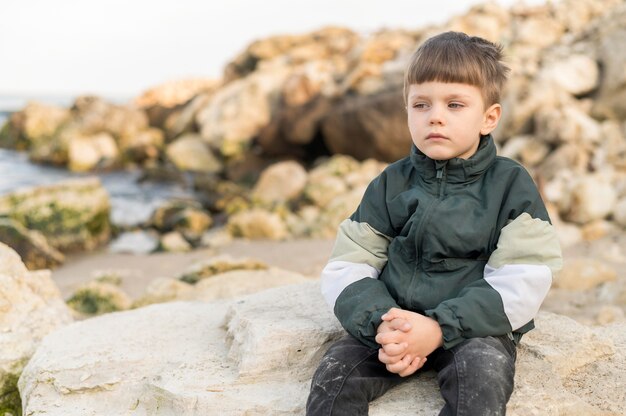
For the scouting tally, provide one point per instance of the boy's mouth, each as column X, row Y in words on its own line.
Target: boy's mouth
column 435, row 136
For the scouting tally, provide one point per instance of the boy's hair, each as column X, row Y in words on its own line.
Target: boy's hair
column 457, row 57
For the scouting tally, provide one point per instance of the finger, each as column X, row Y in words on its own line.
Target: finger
column 387, row 359
column 400, row 324
column 411, row 368
column 395, row 349
column 391, row 314
column 400, row 365
column 422, row 362
column 388, row 337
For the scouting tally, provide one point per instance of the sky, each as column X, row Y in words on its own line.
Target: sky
column 119, row 48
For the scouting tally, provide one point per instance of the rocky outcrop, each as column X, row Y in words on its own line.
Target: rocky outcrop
column 256, row 355
column 92, row 134
column 333, row 91
column 71, row 215
column 30, row 307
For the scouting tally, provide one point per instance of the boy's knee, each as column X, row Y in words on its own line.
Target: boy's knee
column 488, row 359
column 339, row 361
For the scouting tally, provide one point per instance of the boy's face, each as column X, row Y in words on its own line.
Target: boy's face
column 447, row 119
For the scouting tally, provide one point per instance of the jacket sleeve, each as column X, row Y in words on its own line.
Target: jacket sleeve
column 517, row 276
column 350, row 282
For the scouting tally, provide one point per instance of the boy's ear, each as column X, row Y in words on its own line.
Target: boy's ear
column 491, row 118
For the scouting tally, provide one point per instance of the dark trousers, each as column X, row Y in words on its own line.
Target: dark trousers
column 475, row 377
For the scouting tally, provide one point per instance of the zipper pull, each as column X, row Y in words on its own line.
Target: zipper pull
column 439, row 173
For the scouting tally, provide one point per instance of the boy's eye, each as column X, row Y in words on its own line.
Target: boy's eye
column 419, row 105
column 455, row 105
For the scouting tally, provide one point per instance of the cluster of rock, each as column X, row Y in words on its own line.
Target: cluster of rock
column 335, row 91
column 287, row 201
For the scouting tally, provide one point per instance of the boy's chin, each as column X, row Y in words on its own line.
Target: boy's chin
column 439, row 155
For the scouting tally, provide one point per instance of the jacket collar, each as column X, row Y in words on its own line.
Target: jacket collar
column 456, row 170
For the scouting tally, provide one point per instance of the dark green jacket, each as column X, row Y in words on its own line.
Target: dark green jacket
column 466, row 242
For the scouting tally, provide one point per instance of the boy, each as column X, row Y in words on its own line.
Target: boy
column 448, row 257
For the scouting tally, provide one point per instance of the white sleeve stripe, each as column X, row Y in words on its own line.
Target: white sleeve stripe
column 522, row 287
column 337, row 275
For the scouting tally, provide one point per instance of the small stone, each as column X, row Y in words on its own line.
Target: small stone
column 281, row 182
column 95, row 298
column 593, row 198
column 619, row 213
column 609, row 314
column 174, row 242
column 321, row 190
column 88, row 152
column 584, row 274
column 568, row 234
column 257, row 224
column 190, row 152
column 218, row 265
column 135, row 242
column 215, row 238
column 187, row 217
column 597, row 229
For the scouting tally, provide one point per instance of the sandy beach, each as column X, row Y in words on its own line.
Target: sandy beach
column 307, row 257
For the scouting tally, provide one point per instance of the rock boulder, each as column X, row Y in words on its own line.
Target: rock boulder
column 72, row 214
column 30, row 307
column 256, row 355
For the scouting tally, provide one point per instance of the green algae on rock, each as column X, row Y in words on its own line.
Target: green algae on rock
column 10, row 401
column 218, row 265
column 72, row 214
column 31, row 245
column 96, row 298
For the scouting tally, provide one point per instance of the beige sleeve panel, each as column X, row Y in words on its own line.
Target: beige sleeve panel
column 358, row 242
column 528, row 240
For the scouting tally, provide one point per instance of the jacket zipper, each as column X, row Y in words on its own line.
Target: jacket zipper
column 441, row 178
column 441, row 173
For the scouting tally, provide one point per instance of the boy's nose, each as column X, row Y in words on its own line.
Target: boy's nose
column 435, row 117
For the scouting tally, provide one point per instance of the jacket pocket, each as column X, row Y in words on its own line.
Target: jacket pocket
column 455, row 265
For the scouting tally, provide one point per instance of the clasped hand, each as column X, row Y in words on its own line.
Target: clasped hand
column 406, row 339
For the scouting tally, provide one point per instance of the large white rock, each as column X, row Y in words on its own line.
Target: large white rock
column 30, row 307
column 256, row 356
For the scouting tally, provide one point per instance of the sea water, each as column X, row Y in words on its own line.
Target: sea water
column 132, row 200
